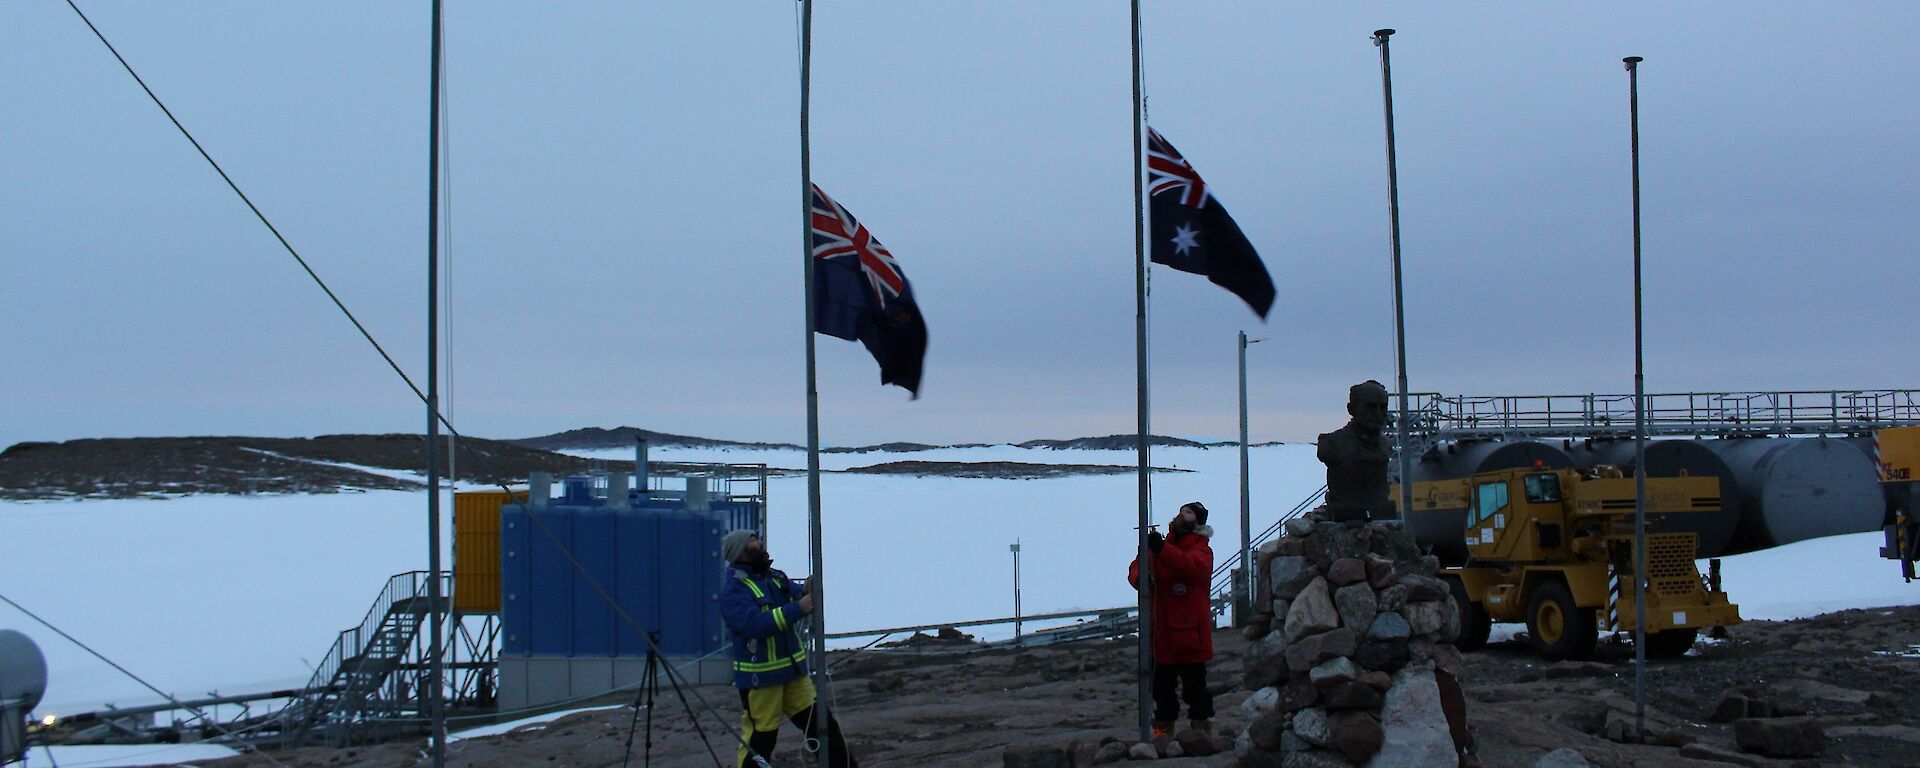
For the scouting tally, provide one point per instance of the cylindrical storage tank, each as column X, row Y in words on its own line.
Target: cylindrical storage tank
column 1676, row 458
column 1442, row 529
column 1893, row 496
column 1793, row 489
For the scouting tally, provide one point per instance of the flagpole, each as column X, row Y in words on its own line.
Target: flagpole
column 1399, row 314
column 817, row 626
column 436, row 669
column 1639, row 431
column 1144, row 586
column 1246, row 495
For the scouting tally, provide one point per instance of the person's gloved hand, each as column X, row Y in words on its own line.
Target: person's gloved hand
column 1155, row 541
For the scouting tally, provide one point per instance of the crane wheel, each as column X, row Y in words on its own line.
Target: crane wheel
column 1671, row 644
column 1559, row 628
column 1475, row 625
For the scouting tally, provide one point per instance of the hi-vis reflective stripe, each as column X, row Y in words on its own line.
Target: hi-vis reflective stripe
column 780, row 617
column 755, row 587
column 769, row 666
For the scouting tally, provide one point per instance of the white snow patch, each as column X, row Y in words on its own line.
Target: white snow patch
column 533, row 723
column 1808, row 578
column 1912, row 652
column 407, row 475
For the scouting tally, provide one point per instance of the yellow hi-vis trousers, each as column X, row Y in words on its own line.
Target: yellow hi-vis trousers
column 768, row 707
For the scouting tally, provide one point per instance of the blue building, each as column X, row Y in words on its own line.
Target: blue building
column 587, row 574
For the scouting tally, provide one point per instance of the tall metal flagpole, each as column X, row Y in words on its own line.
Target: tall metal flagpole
column 436, row 670
column 1399, row 315
column 1639, row 430
column 1246, row 493
column 1141, row 397
column 817, row 626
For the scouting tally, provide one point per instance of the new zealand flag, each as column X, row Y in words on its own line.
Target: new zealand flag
column 860, row 294
column 1192, row 232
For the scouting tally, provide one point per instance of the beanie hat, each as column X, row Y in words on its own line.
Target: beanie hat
column 1199, row 512
column 734, row 543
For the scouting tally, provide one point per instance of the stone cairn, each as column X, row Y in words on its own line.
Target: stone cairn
column 1350, row 625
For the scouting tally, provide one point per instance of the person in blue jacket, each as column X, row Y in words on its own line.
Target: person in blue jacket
column 763, row 608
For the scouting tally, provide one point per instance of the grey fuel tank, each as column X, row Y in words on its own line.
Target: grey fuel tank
column 1794, row 489
column 1675, row 458
column 1441, row 528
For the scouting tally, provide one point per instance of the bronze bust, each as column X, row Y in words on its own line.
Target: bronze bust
column 1356, row 458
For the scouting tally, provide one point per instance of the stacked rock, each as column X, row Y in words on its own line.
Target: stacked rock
column 1343, row 659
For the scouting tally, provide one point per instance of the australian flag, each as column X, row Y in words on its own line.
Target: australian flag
column 1193, row 233
column 859, row 293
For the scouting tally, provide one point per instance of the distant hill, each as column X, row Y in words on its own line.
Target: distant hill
column 173, row 466
column 598, row 438
column 1116, row 443
column 1002, row 470
column 593, row 438
column 901, row 448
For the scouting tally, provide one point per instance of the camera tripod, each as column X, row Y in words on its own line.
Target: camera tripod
column 644, row 696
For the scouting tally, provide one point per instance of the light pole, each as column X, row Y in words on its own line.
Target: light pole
column 1399, row 315
column 1015, row 546
column 1639, row 430
column 1245, row 601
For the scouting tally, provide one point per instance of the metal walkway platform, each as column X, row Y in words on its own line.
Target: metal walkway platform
column 1437, row 417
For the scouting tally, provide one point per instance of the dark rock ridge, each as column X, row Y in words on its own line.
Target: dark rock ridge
column 171, row 466
column 166, row 467
column 901, row 448
column 1004, row 470
column 1116, row 443
column 624, row 437
column 596, row 438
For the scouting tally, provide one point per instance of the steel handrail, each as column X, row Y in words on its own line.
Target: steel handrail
column 1223, row 574
column 353, row 641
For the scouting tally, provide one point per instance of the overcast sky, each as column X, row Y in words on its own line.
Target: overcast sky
column 625, row 223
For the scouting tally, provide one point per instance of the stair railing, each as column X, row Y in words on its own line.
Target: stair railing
column 1223, row 574
column 351, row 643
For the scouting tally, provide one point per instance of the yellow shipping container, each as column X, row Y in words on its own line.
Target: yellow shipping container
column 476, row 549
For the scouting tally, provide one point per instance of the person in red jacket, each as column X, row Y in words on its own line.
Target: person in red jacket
column 1182, row 618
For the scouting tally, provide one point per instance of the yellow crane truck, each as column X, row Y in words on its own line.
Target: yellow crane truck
column 1554, row 548
column 1896, row 456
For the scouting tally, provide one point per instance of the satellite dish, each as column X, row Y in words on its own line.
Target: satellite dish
column 23, row 672
column 23, row 679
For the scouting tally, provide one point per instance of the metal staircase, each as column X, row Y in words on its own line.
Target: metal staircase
column 370, row 672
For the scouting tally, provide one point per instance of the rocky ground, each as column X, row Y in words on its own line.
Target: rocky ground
column 1844, row 675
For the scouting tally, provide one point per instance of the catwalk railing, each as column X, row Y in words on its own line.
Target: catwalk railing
column 1811, row 412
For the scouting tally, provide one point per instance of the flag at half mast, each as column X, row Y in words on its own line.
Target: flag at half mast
column 1192, row 232
column 860, row 294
